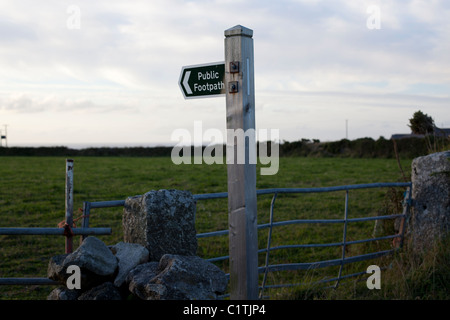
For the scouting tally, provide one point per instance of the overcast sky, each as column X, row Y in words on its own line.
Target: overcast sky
column 107, row 72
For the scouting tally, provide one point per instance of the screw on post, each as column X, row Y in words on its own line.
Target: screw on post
column 233, row 87
column 234, row 67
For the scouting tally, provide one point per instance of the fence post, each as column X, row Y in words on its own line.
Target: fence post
column 240, row 110
column 85, row 220
column 344, row 239
column 69, row 205
column 269, row 241
column 398, row 243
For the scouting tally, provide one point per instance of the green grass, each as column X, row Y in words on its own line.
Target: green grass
column 32, row 195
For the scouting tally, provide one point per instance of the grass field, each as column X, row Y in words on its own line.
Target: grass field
column 32, row 195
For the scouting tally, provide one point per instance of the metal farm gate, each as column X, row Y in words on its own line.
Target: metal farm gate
column 343, row 260
column 85, row 230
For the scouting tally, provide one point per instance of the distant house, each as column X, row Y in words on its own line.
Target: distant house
column 445, row 133
column 399, row 136
column 438, row 132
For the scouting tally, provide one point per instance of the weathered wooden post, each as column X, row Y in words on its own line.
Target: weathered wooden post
column 240, row 111
column 69, row 204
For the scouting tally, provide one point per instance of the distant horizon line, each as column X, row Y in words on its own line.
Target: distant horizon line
column 90, row 145
column 81, row 145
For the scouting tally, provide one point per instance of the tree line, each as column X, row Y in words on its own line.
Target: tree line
column 358, row 148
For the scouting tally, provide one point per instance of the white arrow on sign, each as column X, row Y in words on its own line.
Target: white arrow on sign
column 185, row 82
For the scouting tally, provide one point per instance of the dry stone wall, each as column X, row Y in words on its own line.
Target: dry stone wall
column 156, row 261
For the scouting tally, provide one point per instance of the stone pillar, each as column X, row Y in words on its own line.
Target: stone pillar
column 430, row 213
column 163, row 221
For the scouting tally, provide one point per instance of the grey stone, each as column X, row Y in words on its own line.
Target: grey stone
column 178, row 277
column 105, row 291
column 97, row 263
column 430, row 213
column 140, row 276
column 63, row 293
column 56, row 270
column 129, row 255
column 163, row 221
column 94, row 256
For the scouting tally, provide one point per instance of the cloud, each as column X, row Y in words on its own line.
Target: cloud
column 127, row 55
column 31, row 103
column 145, row 44
column 11, row 32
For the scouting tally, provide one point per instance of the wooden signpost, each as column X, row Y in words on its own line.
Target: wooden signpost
column 237, row 84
